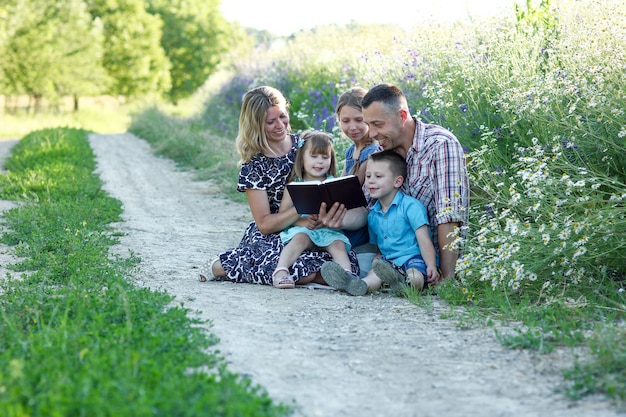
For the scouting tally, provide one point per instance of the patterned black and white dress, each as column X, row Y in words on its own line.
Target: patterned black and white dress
column 255, row 259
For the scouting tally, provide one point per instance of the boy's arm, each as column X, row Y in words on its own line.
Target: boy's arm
column 427, row 250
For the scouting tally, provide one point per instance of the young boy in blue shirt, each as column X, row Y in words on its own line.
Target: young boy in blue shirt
column 398, row 225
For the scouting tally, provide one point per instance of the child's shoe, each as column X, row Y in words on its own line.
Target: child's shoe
column 339, row 278
column 284, row 282
column 390, row 276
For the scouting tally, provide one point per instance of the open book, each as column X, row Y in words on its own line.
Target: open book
column 307, row 196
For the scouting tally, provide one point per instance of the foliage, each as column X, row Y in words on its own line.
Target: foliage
column 133, row 55
column 308, row 72
column 117, row 349
column 128, row 48
column 193, row 38
column 51, row 50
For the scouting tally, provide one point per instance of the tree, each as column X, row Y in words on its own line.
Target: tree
column 4, row 18
column 133, row 56
column 194, row 38
column 50, row 49
column 122, row 47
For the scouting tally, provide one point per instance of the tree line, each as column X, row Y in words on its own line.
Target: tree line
column 78, row 48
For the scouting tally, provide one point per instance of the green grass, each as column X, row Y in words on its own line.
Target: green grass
column 78, row 338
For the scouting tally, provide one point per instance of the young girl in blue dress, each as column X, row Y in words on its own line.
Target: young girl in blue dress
column 315, row 161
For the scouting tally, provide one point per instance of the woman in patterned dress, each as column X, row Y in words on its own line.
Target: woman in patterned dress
column 267, row 150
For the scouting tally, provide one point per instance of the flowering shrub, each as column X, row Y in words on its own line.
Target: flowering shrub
column 311, row 69
column 543, row 223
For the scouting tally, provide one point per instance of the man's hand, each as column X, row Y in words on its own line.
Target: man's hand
column 447, row 258
column 334, row 217
column 338, row 217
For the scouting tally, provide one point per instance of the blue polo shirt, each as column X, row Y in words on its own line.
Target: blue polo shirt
column 394, row 231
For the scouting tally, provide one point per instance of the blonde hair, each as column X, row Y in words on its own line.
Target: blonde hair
column 251, row 138
column 317, row 143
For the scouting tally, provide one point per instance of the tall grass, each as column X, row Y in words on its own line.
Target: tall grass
column 187, row 142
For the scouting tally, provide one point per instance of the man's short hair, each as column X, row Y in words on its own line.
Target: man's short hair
column 388, row 94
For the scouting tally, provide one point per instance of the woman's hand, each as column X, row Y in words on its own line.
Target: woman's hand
column 266, row 221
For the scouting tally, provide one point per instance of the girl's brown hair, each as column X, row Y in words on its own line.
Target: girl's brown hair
column 353, row 98
column 318, row 143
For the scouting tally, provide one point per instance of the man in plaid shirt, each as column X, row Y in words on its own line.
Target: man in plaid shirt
column 437, row 174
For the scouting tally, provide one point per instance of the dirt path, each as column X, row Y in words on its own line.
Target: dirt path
column 332, row 354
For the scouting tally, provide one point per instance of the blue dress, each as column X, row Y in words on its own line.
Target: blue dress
column 255, row 258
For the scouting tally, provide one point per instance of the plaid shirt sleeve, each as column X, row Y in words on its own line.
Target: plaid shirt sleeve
column 450, row 181
column 438, row 175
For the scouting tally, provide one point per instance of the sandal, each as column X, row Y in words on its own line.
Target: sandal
column 283, row 282
column 206, row 271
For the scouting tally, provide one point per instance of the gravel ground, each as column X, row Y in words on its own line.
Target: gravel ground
column 327, row 353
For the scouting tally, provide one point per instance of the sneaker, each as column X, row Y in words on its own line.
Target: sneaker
column 389, row 275
column 338, row 278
